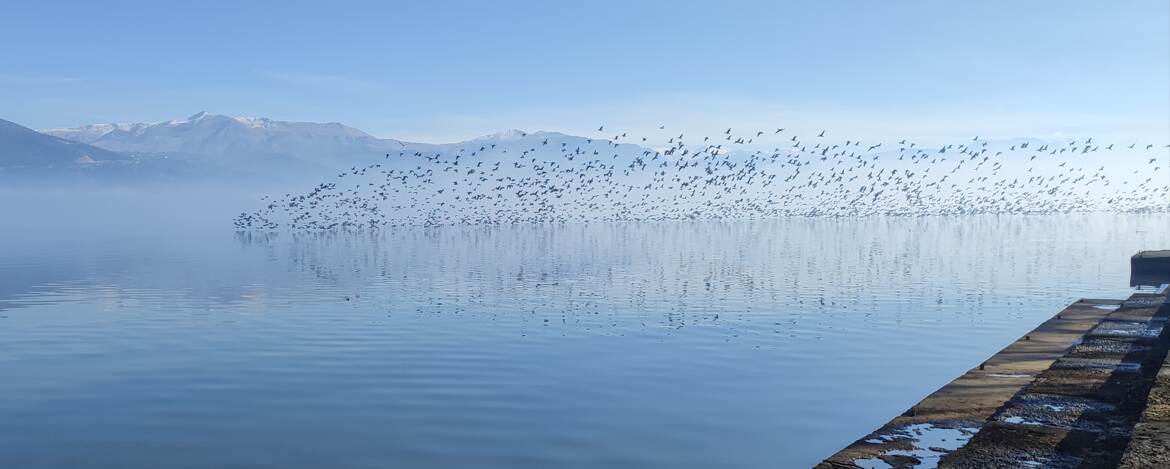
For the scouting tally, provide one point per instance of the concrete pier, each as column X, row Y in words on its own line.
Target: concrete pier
column 1089, row 388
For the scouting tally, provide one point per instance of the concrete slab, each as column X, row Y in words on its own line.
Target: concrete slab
column 1083, row 410
column 971, row 399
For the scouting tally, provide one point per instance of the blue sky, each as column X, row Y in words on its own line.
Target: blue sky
column 438, row 71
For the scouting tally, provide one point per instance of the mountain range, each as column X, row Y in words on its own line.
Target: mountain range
column 214, row 134
column 255, row 149
column 26, row 148
column 203, row 145
column 30, row 156
column 217, row 146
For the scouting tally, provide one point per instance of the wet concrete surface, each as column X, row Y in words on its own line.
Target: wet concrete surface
column 1081, row 412
column 970, row 401
column 1086, row 389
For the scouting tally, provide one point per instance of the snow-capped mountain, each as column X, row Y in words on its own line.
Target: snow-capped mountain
column 29, row 156
column 220, row 138
column 262, row 147
column 254, row 148
column 91, row 133
column 218, row 135
column 22, row 147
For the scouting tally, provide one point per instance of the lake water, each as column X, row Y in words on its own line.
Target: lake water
column 640, row 345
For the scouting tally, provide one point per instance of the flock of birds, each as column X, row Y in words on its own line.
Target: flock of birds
column 547, row 177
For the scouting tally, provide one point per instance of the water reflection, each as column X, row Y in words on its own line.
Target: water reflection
column 728, row 344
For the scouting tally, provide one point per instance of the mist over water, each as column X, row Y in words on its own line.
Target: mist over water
column 140, row 328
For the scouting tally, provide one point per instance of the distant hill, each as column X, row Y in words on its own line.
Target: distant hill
column 240, row 149
column 550, row 174
column 242, row 142
column 91, row 133
column 260, row 148
column 24, row 148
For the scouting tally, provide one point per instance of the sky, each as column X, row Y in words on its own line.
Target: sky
column 441, row 71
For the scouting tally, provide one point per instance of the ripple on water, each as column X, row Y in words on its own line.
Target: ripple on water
column 666, row 345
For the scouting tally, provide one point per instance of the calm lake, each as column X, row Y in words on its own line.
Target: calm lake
column 741, row 344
